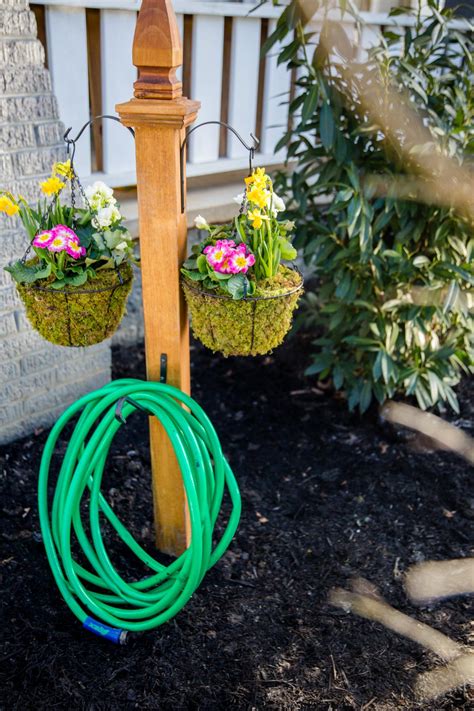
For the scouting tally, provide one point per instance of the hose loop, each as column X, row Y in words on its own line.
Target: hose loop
column 89, row 582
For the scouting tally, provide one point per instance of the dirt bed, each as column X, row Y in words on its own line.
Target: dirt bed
column 326, row 496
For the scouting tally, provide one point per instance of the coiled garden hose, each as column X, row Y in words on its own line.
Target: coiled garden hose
column 98, row 590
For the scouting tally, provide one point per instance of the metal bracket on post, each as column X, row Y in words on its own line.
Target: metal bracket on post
column 163, row 367
column 119, row 405
column 250, row 149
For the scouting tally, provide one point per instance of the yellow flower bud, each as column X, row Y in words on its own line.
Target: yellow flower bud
column 52, row 186
column 8, row 206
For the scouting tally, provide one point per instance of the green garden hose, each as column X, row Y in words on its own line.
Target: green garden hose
column 98, row 589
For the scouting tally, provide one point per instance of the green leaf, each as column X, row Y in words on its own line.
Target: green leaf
column 237, row 286
column 190, row 263
column 288, row 252
column 76, row 280
column 201, row 263
column 310, row 103
column 27, row 274
column 420, row 261
column 194, row 276
column 365, row 396
column 326, row 126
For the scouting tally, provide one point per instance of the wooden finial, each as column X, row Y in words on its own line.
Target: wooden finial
column 157, row 51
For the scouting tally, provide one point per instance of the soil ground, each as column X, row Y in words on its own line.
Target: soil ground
column 326, row 496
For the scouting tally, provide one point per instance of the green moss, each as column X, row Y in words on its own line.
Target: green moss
column 79, row 316
column 249, row 327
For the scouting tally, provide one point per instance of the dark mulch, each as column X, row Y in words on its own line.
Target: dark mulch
column 325, row 496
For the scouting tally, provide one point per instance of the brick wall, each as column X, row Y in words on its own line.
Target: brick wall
column 37, row 380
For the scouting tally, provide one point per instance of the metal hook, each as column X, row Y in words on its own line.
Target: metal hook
column 250, row 149
column 72, row 141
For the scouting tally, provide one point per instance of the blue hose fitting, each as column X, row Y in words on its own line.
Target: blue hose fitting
column 115, row 635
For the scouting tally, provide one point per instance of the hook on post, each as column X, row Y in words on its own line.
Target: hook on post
column 250, row 149
column 72, row 141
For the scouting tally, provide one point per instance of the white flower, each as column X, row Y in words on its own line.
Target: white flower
column 239, row 198
column 99, row 188
column 106, row 216
column 276, row 202
column 201, row 223
column 121, row 247
column 99, row 195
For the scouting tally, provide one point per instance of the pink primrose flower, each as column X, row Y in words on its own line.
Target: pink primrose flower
column 75, row 250
column 225, row 243
column 58, row 244
column 66, row 233
column 239, row 262
column 43, row 239
column 216, row 256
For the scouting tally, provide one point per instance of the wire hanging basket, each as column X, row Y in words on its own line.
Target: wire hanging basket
column 251, row 326
column 77, row 316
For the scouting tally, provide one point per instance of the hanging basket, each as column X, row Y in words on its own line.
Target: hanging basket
column 81, row 315
column 247, row 327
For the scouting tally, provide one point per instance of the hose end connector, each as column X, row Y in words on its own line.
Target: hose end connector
column 115, row 635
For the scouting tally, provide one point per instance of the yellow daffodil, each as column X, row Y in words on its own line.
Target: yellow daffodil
column 52, row 186
column 258, row 178
column 7, row 205
column 256, row 218
column 258, row 196
column 64, row 169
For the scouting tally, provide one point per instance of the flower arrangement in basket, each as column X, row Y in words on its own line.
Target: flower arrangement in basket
column 240, row 295
column 76, row 275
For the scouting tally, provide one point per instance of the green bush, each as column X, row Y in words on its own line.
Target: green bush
column 394, row 269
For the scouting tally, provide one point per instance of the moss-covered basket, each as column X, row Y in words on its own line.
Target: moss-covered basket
column 248, row 327
column 81, row 315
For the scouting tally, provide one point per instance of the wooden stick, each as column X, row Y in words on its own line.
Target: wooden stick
column 447, row 435
column 435, row 579
column 376, row 609
column 160, row 116
column 439, row 681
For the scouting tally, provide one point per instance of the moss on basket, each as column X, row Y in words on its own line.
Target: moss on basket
column 81, row 315
column 252, row 326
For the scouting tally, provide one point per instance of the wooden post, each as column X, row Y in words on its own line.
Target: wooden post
column 160, row 114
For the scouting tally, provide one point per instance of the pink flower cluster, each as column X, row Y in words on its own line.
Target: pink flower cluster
column 60, row 239
column 226, row 257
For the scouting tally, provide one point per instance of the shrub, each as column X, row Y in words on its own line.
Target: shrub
column 393, row 265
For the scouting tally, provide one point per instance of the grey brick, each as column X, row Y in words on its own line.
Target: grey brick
column 14, row 430
column 13, row 137
column 8, row 298
column 17, row 52
column 47, row 134
column 65, row 395
column 15, row 346
column 12, row 247
column 39, row 160
column 43, row 382
column 9, row 370
column 18, row 4
column 15, row 80
column 7, row 324
column 39, row 361
column 10, row 412
column 6, row 166
column 27, row 108
column 17, row 23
